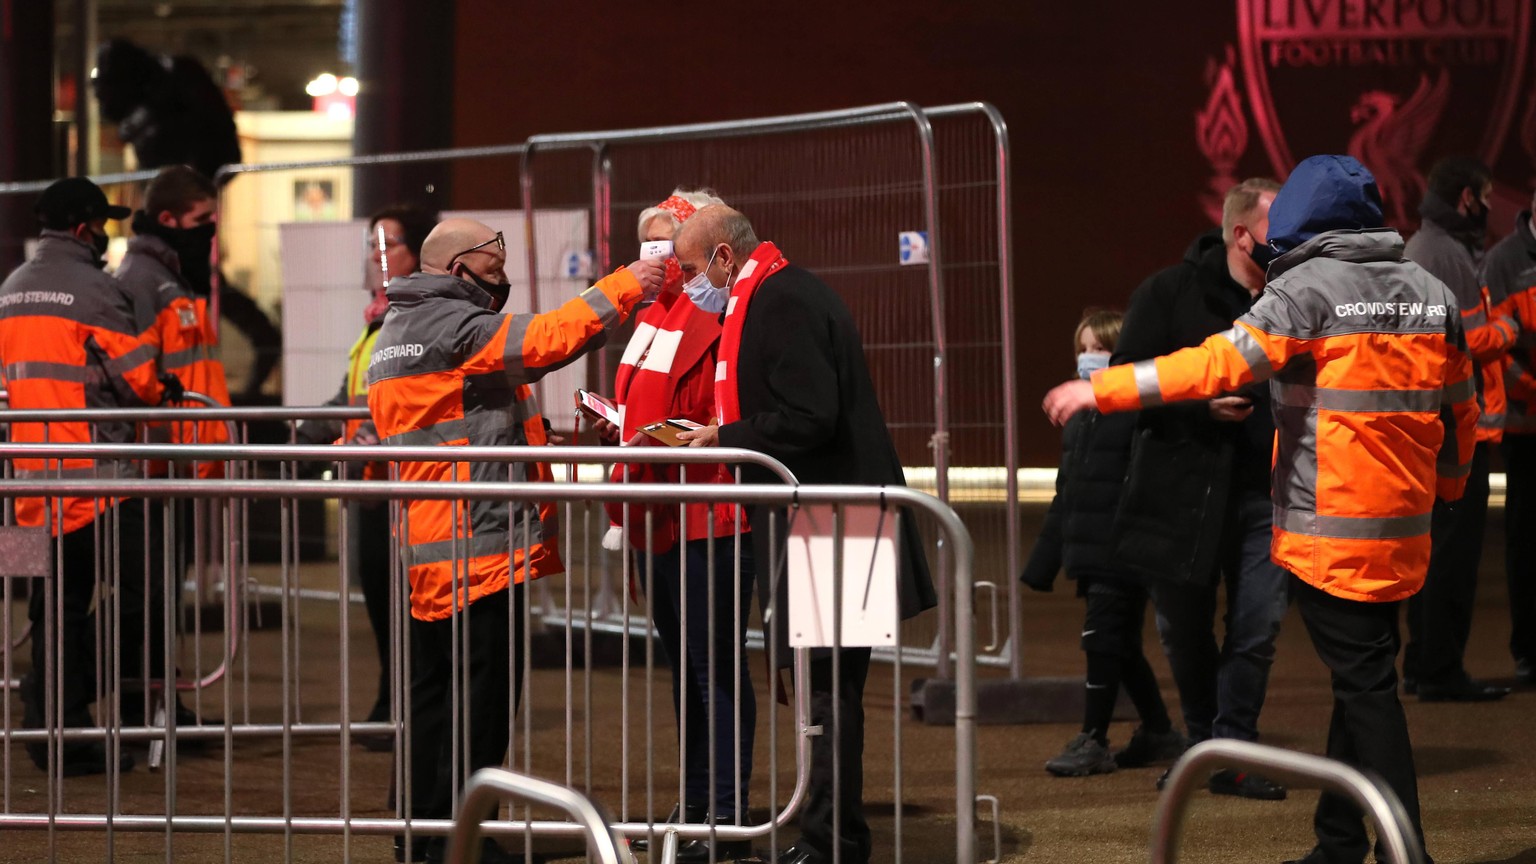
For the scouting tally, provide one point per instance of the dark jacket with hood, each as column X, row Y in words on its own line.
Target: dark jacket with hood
column 1079, row 526
column 1184, row 465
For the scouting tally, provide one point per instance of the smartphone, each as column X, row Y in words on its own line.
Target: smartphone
column 596, row 407
column 666, row 431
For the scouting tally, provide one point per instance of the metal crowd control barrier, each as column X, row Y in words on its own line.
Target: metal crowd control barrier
column 297, row 731
column 1297, row 770
column 834, row 201
column 489, row 786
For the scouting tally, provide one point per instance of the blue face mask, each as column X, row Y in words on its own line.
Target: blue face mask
column 705, row 294
column 1090, row 362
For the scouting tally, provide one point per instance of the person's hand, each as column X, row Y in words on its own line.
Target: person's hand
column 651, row 274
column 704, row 436
column 1067, row 399
column 1231, row 409
column 172, row 391
column 605, row 430
column 365, row 435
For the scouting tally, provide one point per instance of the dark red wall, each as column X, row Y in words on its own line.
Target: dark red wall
column 1101, row 99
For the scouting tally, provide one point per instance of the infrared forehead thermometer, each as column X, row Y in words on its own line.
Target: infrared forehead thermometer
column 655, row 250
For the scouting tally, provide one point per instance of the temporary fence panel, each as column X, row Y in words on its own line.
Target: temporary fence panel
column 286, row 701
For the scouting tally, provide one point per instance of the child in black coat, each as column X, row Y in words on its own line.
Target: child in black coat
column 1077, row 536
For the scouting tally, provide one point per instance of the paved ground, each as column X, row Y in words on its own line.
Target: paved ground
column 1477, row 764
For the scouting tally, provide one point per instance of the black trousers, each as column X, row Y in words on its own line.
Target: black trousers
column 371, row 548
column 1520, row 543
column 1358, row 642
column 495, row 677
column 1112, row 641
column 1440, row 615
column 83, row 560
column 846, row 751
column 696, row 688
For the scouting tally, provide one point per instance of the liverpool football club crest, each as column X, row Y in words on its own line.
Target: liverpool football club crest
column 1397, row 84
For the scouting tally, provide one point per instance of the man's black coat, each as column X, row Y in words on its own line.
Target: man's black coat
column 1184, row 464
column 807, row 400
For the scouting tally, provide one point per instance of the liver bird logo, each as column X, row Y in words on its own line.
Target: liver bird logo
column 1390, row 140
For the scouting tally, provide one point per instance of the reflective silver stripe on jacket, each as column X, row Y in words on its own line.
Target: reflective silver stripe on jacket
column 132, row 360
column 1251, row 351
column 1352, row 527
column 480, row 425
column 1472, row 319
column 1360, row 401
column 44, row 370
column 1146, row 383
column 184, row 357
column 602, row 307
column 1459, row 391
column 479, row 546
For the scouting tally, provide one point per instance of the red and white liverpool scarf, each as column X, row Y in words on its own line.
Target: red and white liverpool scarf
column 765, row 261
column 671, row 335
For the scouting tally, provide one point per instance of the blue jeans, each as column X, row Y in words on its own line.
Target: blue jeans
column 695, row 692
column 1221, row 689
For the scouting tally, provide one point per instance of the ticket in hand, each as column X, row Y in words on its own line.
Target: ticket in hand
column 655, row 250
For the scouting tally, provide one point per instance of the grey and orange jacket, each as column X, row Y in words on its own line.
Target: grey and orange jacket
column 447, row 370
column 1490, row 330
column 1509, row 272
column 175, row 322
column 1374, row 404
column 67, row 340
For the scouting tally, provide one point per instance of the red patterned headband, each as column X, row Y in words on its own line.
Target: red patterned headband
column 680, row 208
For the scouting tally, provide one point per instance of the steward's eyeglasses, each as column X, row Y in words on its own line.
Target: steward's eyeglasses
column 501, row 244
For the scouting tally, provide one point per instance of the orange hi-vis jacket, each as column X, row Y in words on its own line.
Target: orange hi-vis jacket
column 447, row 370
column 1374, row 404
column 67, row 340
column 1509, row 272
column 1490, row 332
column 175, row 321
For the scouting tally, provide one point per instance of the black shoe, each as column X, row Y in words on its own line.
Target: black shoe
column 1467, row 690
column 1084, row 756
column 697, row 851
column 1525, row 671
column 695, row 815
column 80, row 760
column 1244, row 784
column 1162, row 779
column 799, row 854
column 490, row 852
column 415, row 854
column 1147, row 748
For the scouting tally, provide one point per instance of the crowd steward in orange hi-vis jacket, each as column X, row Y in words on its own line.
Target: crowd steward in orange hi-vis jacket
column 450, row 368
column 1509, row 272
column 67, row 341
column 1449, row 244
column 165, row 275
column 1375, row 417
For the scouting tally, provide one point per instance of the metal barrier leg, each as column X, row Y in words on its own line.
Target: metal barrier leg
column 1381, row 805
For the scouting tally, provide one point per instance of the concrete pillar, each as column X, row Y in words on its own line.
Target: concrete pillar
column 405, row 100
column 26, row 116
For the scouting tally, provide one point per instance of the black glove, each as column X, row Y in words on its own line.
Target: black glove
column 173, row 389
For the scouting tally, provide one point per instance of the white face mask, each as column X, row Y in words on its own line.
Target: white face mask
column 705, row 294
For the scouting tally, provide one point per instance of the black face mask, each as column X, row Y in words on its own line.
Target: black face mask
column 1262, row 255
column 499, row 291
column 1479, row 219
column 99, row 243
column 193, row 248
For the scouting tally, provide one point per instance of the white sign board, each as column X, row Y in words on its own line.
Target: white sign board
column 869, row 576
